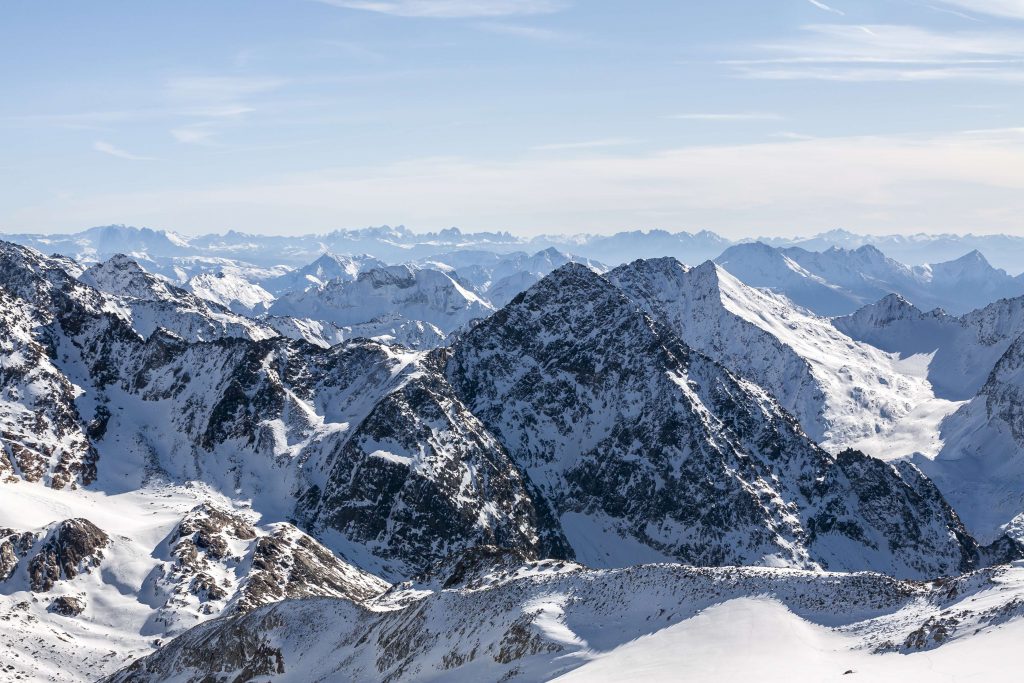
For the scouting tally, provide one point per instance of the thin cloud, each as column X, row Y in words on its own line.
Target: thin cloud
column 107, row 148
column 789, row 135
column 1013, row 9
column 952, row 12
column 219, row 89
column 822, row 6
column 529, row 32
column 742, row 116
column 452, row 9
column 199, row 134
column 887, row 52
column 586, row 144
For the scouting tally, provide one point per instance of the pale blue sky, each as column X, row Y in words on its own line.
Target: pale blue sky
column 746, row 117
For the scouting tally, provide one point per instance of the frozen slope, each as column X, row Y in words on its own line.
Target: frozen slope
column 148, row 303
column 844, row 393
column 404, row 293
column 163, row 559
column 981, row 466
column 962, row 349
column 230, row 291
column 491, row 619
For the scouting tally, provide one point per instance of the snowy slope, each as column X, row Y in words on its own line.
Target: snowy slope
column 406, row 292
column 321, row 271
column 839, row 281
column 844, row 393
column 961, row 350
column 149, row 303
column 230, row 291
column 981, row 465
column 152, row 563
column 489, row 618
column 759, row 265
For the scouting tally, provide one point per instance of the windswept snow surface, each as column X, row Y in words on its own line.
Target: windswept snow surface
column 39, row 645
column 759, row 639
column 542, row 620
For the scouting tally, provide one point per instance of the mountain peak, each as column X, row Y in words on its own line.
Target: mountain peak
column 571, row 275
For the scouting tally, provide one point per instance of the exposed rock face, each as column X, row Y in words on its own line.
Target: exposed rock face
column 695, row 305
column 219, row 562
column 14, row 546
column 70, row 548
column 626, row 432
column 841, row 391
column 422, row 477
column 288, row 564
column 67, row 605
column 42, row 435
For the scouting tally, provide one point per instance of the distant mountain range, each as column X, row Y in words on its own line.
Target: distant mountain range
column 399, row 244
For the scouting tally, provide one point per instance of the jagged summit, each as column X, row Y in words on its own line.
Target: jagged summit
column 629, row 434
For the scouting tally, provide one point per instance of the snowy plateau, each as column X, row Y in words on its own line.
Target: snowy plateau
column 377, row 455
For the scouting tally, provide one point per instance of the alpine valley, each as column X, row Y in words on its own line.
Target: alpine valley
column 382, row 455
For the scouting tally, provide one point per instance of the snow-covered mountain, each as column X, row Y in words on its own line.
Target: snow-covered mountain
column 161, row 467
column 644, row 448
column 981, row 465
column 972, row 359
column 844, row 393
column 321, row 271
column 230, row 291
column 399, row 244
column 1004, row 251
column 149, row 303
column 839, row 281
column 82, row 596
column 960, row 350
column 518, row 273
column 759, row 265
column 387, row 295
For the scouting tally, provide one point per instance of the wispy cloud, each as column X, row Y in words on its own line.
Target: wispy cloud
column 740, row 116
column 197, row 134
column 526, row 31
column 886, row 52
column 1013, row 9
column 107, row 148
column 953, row 12
column 587, row 144
column 219, row 89
column 452, row 9
column 828, row 8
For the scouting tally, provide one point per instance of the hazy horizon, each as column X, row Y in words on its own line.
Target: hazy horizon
column 534, row 116
column 796, row 235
